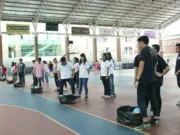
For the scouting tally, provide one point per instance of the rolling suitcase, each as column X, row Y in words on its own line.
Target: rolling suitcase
column 10, row 81
column 36, row 90
column 2, row 79
column 18, row 85
column 67, row 99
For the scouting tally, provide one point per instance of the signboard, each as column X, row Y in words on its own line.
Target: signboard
column 129, row 33
column 107, row 31
column 80, row 31
column 150, row 34
column 51, row 26
column 18, row 28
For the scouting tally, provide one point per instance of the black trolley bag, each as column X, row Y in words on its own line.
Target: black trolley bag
column 126, row 116
column 2, row 79
column 18, row 85
column 36, row 90
column 10, row 81
column 67, row 99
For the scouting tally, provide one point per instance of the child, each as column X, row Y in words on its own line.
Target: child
column 4, row 71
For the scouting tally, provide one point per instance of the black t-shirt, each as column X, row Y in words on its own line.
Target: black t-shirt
column 150, row 60
column 136, row 61
column 177, row 63
column 161, row 65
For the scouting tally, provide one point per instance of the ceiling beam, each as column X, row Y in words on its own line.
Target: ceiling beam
column 106, row 11
column 127, row 16
column 2, row 4
column 81, row 4
column 160, row 12
column 40, row 10
column 169, row 21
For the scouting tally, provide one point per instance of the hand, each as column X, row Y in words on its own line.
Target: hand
column 159, row 74
column 177, row 73
column 136, row 84
column 107, row 77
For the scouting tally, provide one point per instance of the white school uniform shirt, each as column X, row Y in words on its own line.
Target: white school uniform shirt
column 46, row 69
column 111, row 70
column 104, row 66
column 65, row 70
column 83, row 70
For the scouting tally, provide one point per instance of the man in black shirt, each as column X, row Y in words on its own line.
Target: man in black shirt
column 145, row 82
column 162, row 69
column 177, row 68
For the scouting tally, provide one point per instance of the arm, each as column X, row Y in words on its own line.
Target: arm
column 135, row 74
column 140, row 70
column 24, row 69
column 166, row 70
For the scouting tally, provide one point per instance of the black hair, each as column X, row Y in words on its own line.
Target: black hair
column 110, row 56
column 157, row 47
column 21, row 59
column 12, row 64
column 83, row 55
column 33, row 61
column 39, row 59
column 96, row 60
column 143, row 39
column 76, row 60
column 105, row 55
column 44, row 62
column 178, row 44
column 63, row 59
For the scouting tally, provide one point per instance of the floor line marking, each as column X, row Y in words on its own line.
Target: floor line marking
column 21, row 89
column 43, row 115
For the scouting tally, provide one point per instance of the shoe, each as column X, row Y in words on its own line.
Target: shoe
column 113, row 95
column 178, row 103
column 78, row 96
column 86, row 97
column 143, row 126
column 103, row 96
column 154, row 122
column 60, row 96
column 107, row 96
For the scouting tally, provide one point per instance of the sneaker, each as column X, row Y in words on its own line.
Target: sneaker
column 178, row 103
column 107, row 96
column 103, row 96
column 154, row 122
column 143, row 126
column 78, row 96
column 60, row 96
column 113, row 95
column 86, row 97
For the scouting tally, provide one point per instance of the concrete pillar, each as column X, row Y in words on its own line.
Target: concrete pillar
column 161, row 47
column 18, row 46
column 67, row 47
column 1, row 50
column 36, row 46
column 94, row 49
column 118, row 49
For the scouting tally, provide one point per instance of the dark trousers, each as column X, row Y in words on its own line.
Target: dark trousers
column 178, row 81
column 38, row 81
column 22, row 78
column 83, row 82
column 34, row 80
column 56, row 79
column 146, row 88
column 76, row 79
column 106, row 84
column 63, row 82
column 157, row 93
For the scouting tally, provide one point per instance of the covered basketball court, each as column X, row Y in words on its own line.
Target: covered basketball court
column 22, row 112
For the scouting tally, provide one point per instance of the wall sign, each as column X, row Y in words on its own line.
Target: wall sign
column 18, row 29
